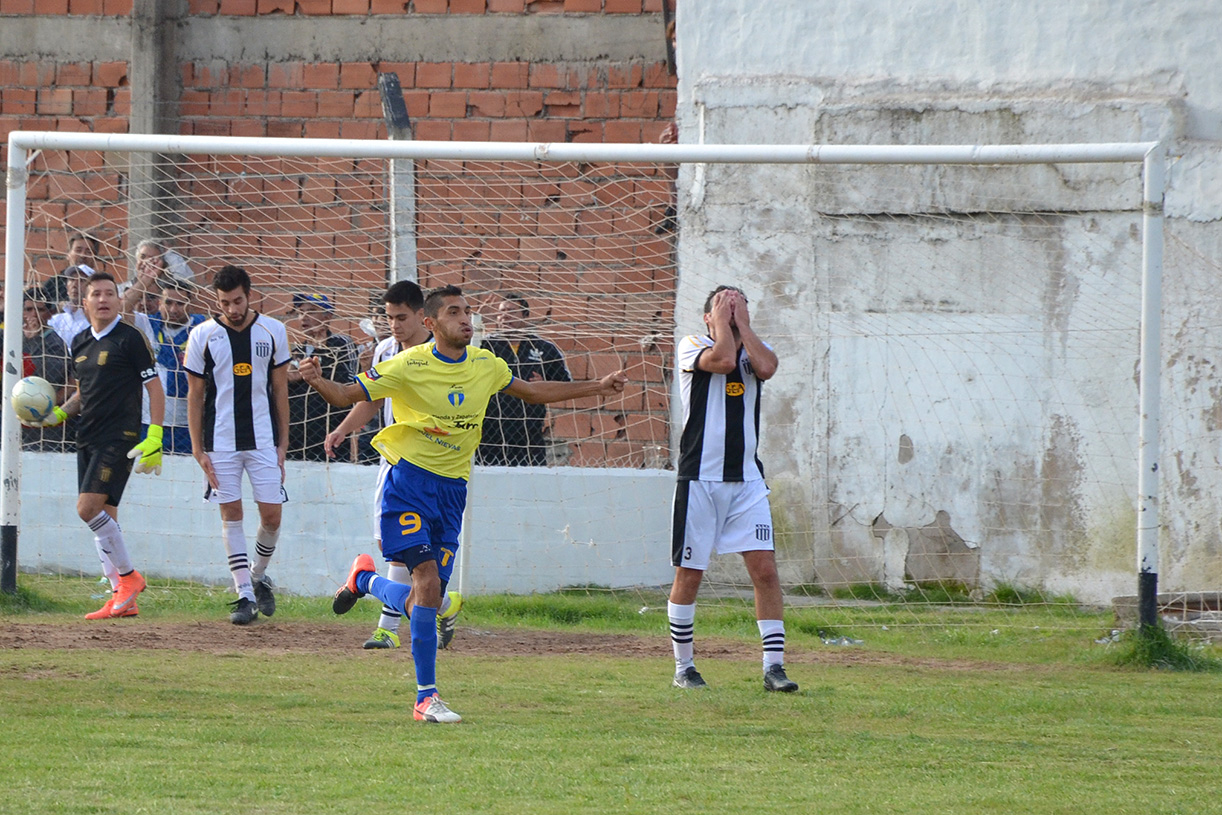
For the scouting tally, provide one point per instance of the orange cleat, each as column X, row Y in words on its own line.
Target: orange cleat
column 125, row 595
column 106, row 611
column 348, row 594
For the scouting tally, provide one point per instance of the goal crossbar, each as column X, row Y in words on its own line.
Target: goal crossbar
column 560, row 152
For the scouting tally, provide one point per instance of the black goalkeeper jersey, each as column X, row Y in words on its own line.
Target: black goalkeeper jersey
column 111, row 372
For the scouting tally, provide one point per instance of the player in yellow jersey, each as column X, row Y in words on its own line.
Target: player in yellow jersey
column 440, row 391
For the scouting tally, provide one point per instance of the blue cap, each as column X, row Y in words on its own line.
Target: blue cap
column 320, row 300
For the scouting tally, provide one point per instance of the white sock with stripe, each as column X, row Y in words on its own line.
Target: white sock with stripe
column 265, row 545
column 772, row 634
column 108, row 538
column 682, row 628
column 234, row 537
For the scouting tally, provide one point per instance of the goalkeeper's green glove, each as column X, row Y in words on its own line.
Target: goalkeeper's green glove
column 55, row 417
column 149, row 452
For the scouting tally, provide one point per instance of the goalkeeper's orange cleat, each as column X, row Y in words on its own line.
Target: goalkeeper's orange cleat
column 348, row 594
column 130, row 585
column 104, row 613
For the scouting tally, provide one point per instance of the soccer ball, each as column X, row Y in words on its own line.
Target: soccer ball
column 33, row 399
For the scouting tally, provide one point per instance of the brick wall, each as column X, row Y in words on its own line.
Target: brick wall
column 468, row 99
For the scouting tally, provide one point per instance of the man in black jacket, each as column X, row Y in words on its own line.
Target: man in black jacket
column 514, row 432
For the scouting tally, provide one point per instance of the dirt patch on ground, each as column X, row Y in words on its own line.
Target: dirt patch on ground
column 268, row 637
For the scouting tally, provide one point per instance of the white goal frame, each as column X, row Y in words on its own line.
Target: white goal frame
column 22, row 144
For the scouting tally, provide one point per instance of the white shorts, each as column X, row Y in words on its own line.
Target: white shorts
column 719, row 517
column 260, row 466
column 383, row 471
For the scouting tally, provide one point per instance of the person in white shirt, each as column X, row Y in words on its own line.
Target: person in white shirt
column 72, row 319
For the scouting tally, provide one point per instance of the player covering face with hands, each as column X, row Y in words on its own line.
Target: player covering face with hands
column 439, row 392
column 721, row 500
column 113, row 365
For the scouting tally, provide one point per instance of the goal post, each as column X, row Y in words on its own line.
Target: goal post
column 595, row 220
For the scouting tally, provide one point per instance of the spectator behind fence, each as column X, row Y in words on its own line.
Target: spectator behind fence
column 515, row 433
column 155, row 264
column 310, row 417
column 83, row 250
column 71, row 320
column 170, row 326
column 45, row 355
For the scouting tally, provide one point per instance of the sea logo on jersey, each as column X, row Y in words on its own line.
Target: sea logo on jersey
column 456, row 397
column 242, row 369
column 263, row 348
column 735, row 389
column 82, row 358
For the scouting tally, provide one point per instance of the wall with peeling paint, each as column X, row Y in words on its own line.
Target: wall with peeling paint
column 957, row 398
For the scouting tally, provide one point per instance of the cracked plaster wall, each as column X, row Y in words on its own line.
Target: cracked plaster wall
column 1021, row 452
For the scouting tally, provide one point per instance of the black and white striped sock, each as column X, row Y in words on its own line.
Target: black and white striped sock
column 682, row 634
column 772, row 634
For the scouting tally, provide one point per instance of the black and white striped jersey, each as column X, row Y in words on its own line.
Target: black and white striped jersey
column 721, row 417
column 386, row 349
column 236, row 367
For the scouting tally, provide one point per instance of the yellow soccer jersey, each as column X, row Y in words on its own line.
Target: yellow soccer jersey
column 438, row 405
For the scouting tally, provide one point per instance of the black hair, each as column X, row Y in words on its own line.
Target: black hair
column 708, row 303
column 37, row 296
column 432, row 303
column 101, row 277
column 520, row 299
column 404, row 293
column 94, row 243
column 229, row 278
column 172, row 284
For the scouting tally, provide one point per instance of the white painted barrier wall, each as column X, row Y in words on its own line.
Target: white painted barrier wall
column 533, row 530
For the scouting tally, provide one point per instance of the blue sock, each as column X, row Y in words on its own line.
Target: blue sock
column 424, row 650
column 388, row 591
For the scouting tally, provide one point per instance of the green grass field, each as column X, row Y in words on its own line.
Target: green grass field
column 939, row 711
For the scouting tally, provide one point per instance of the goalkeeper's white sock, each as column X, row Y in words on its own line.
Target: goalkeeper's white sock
column 108, row 568
column 391, row 618
column 234, row 537
column 682, row 626
column 265, row 545
column 772, row 634
column 108, row 538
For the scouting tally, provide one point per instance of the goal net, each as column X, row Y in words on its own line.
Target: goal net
column 955, row 418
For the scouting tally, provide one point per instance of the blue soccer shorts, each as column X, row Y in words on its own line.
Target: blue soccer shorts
column 422, row 517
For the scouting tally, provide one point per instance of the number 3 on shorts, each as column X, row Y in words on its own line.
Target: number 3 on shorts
column 410, row 522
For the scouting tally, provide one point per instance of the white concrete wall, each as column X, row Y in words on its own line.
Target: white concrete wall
column 531, row 531
column 942, row 384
